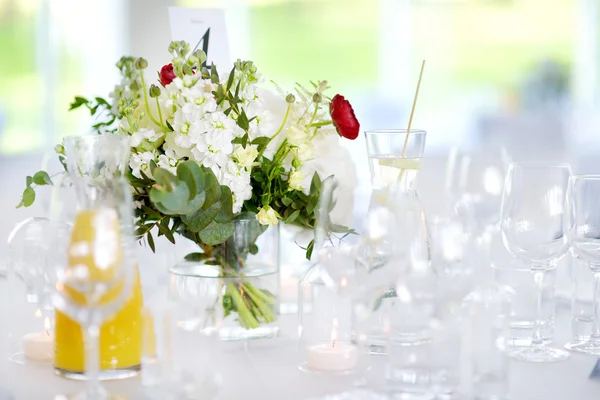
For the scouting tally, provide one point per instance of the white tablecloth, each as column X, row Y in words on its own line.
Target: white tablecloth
column 267, row 370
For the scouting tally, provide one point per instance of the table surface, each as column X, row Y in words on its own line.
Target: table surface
column 267, row 369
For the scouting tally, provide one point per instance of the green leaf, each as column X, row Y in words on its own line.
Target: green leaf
column 78, row 102
column 312, row 203
column 169, row 194
column 196, row 257
column 237, row 140
column 261, row 140
column 292, row 217
column 253, row 248
column 309, row 249
column 214, row 75
column 163, row 228
column 212, row 189
column 315, row 185
column 153, row 166
column 169, row 126
column 29, row 180
column 216, row 233
column 42, row 178
column 151, row 213
column 242, row 121
column 151, row 241
column 287, row 201
column 28, row 197
column 200, row 219
column 230, row 80
column 226, row 200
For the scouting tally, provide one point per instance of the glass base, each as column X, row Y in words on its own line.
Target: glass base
column 304, row 367
column 592, row 348
column 356, row 394
column 96, row 396
column 105, row 375
column 538, row 354
column 230, row 334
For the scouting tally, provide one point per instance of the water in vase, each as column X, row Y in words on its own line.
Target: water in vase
column 391, row 170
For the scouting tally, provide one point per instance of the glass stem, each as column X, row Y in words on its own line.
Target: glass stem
column 538, row 278
column 595, row 336
column 92, row 361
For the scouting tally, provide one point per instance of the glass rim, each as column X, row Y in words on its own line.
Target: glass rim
column 94, row 136
column 581, row 177
column 395, row 131
column 540, row 164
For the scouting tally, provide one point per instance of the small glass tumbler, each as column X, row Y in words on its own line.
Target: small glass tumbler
column 582, row 302
column 325, row 316
column 517, row 277
column 395, row 157
column 30, row 315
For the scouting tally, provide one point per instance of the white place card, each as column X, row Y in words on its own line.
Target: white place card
column 204, row 29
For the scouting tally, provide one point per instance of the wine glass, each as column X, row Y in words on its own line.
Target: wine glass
column 584, row 236
column 91, row 264
column 533, row 229
column 474, row 183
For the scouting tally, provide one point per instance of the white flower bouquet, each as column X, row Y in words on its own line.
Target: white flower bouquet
column 209, row 148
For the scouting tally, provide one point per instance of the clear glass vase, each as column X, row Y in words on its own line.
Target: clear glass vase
column 237, row 280
column 395, row 161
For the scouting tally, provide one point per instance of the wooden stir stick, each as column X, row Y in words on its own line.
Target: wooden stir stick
column 412, row 113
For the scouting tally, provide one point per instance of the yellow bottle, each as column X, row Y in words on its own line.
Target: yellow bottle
column 121, row 336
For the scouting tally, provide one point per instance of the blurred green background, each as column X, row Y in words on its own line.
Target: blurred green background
column 474, row 48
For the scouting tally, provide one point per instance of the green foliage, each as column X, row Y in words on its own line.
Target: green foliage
column 40, row 178
column 99, row 108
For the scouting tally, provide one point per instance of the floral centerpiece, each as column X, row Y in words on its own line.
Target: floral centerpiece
column 208, row 149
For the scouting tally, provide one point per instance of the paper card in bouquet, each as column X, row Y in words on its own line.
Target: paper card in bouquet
column 204, row 29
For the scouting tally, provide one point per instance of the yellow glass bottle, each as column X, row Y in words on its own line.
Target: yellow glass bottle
column 120, row 337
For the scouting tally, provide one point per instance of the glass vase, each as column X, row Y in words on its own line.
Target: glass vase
column 237, row 279
column 395, row 162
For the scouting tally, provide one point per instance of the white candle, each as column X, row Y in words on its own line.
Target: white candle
column 38, row 346
column 332, row 357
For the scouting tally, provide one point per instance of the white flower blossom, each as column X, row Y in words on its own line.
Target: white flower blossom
column 296, row 180
column 140, row 162
column 168, row 161
column 267, row 216
column 246, row 155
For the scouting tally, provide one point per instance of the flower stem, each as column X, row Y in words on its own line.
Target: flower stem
column 246, row 318
column 159, row 114
column 285, row 117
column 320, row 124
column 147, row 104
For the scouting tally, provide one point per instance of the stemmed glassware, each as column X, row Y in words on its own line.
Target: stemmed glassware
column 533, row 229
column 474, row 182
column 584, row 237
column 91, row 266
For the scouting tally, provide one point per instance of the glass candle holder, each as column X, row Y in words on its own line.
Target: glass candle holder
column 30, row 315
column 325, row 317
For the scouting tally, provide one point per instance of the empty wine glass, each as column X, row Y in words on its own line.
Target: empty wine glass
column 584, row 237
column 533, row 229
column 91, row 265
column 474, row 183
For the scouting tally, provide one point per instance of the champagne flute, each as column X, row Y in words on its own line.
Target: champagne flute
column 533, row 229
column 584, row 236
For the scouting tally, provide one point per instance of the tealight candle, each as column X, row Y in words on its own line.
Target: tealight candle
column 332, row 357
column 38, row 346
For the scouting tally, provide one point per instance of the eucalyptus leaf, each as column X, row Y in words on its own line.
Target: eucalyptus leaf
column 200, row 219
column 226, row 212
column 217, row 233
column 42, row 178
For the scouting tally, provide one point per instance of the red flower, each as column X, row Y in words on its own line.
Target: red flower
column 343, row 117
column 166, row 74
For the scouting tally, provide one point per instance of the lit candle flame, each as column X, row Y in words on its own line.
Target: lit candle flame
column 47, row 326
column 38, row 313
